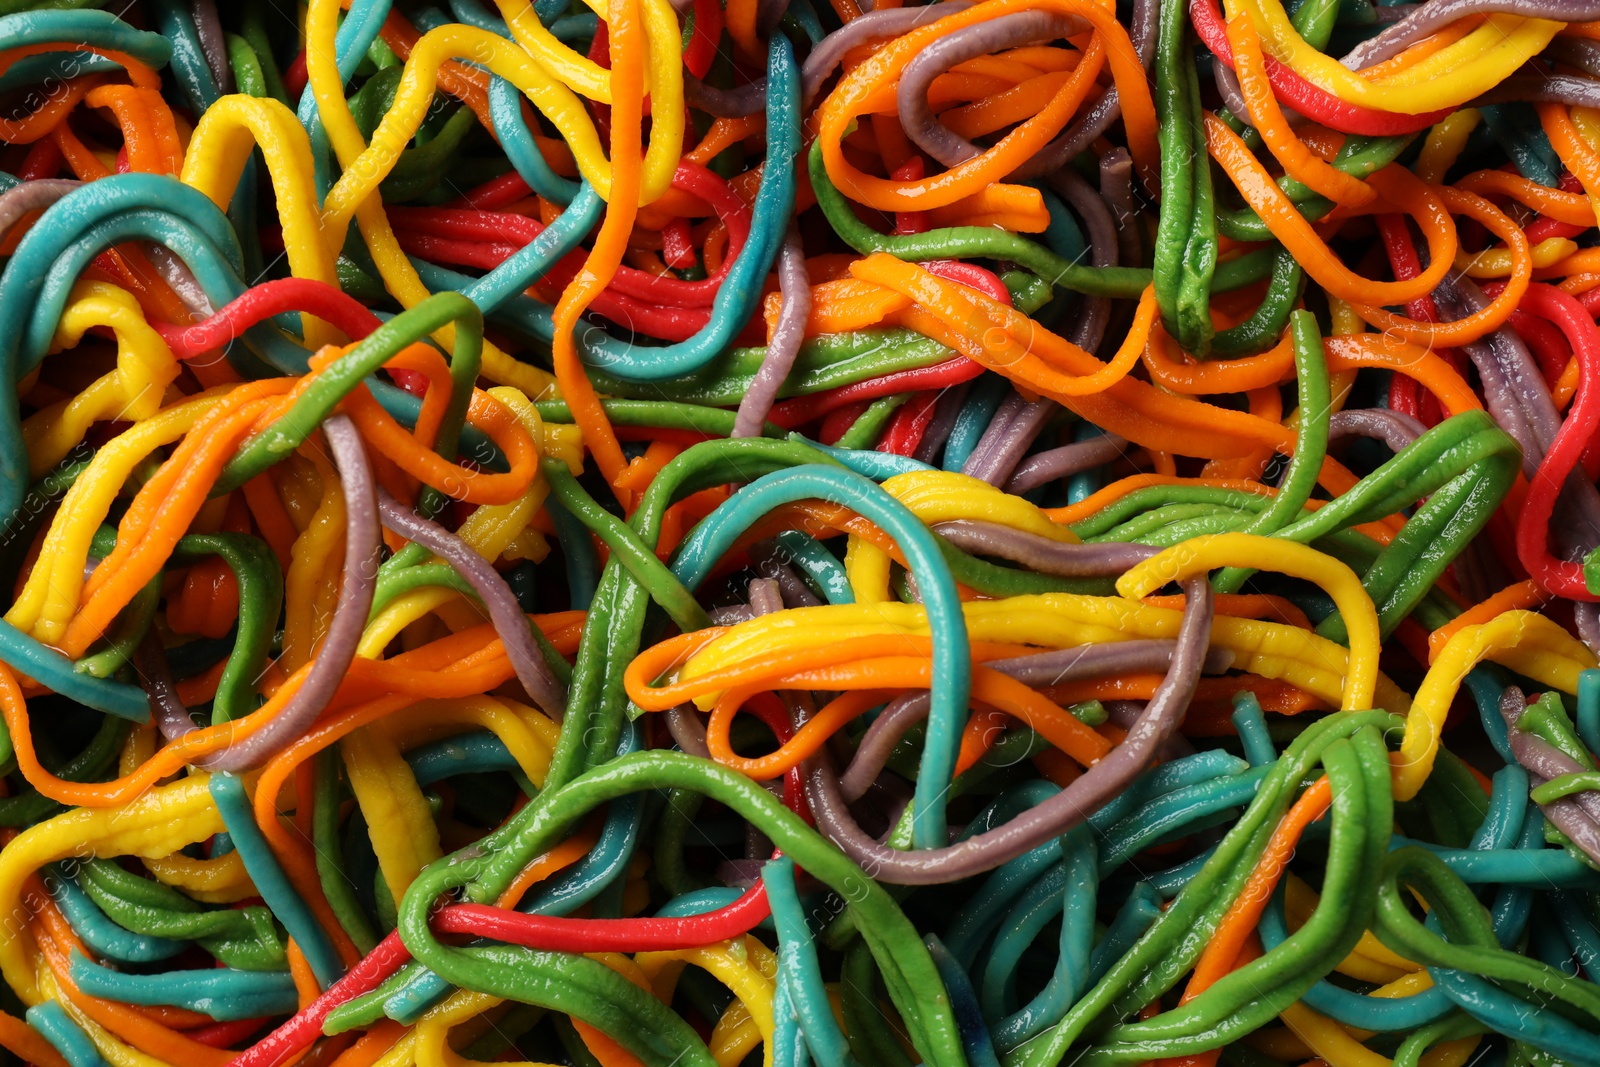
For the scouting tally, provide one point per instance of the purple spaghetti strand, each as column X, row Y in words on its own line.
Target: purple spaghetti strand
column 332, row 664
column 1090, row 327
column 504, row 611
column 1577, row 815
column 1116, row 187
column 208, row 29
column 1037, row 671
column 155, row 677
column 1587, row 616
column 1544, row 89
column 1044, row 467
column 1577, row 52
column 769, row 560
column 984, row 38
column 1395, row 429
column 945, row 413
column 24, row 197
column 872, row 754
column 1516, row 395
column 795, row 286
column 994, row 436
column 1040, row 553
column 1053, row 817
column 821, row 63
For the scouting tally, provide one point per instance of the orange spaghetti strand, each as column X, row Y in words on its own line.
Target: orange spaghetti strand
column 1229, row 944
column 989, row 687
column 164, row 507
column 1299, row 162
column 148, row 132
column 1395, row 184
column 388, row 437
column 1480, row 323
column 23, row 1041
column 1571, row 208
column 627, row 92
column 1519, row 595
column 1575, row 153
column 1009, row 343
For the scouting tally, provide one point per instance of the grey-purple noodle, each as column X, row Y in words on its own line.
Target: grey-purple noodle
column 1395, row 429
column 945, row 413
column 1431, row 17
column 1587, row 615
column 1232, row 95
column 176, row 273
column 1104, row 108
column 1055, row 816
column 208, row 30
column 504, row 611
column 821, row 63
column 155, row 677
column 969, row 42
column 1568, row 89
column 1043, row 467
column 949, row 148
column 1577, row 52
column 1116, row 186
column 766, row 597
column 1513, row 387
column 35, row 195
column 769, row 561
column 687, row 729
column 1042, row 669
column 1018, row 423
column 1040, row 553
column 338, row 649
column 1090, row 328
column 981, row 459
column 794, row 283
column 1516, row 395
column 1125, row 713
column 1000, row 448
column 1577, row 816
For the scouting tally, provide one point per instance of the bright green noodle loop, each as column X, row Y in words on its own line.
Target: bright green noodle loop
column 1173, row 943
column 1566, row 786
column 1263, row 328
column 260, row 592
column 1468, row 944
column 241, row 937
column 1252, row 995
column 484, row 872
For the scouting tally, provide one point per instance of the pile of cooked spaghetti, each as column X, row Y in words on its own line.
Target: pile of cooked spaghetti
column 627, row 532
